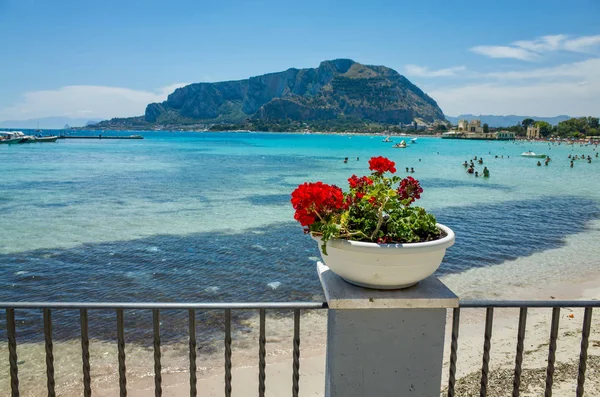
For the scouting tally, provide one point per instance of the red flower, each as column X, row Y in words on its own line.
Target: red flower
column 314, row 200
column 358, row 183
column 381, row 164
column 373, row 201
column 410, row 189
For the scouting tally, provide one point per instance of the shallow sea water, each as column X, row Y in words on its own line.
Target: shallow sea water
column 196, row 217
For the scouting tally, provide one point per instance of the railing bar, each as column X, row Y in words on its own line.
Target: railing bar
column 453, row 350
column 481, row 304
column 487, row 344
column 585, row 334
column 157, row 365
column 12, row 351
column 49, row 352
column 192, row 331
column 296, row 372
column 227, row 352
column 552, row 351
column 121, row 347
column 168, row 305
column 85, row 353
column 261, row 355
column 519, row 356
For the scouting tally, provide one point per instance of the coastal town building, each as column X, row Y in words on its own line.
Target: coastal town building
column 470, row 126
column 533, row 132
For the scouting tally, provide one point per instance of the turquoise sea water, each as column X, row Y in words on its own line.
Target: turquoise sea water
column 206, row 216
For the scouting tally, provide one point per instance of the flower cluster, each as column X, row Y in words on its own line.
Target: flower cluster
column 314, row 201
column 410, row 189
column 377, row 208
column 381, row 165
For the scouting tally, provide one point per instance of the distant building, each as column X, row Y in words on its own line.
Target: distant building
column 505, row 135
column 489, row 136
column 533, row 132
column 470, row 126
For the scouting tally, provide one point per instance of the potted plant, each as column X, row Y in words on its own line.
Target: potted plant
column 371, row 235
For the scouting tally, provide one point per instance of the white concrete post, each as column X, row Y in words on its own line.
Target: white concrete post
column 384, row 343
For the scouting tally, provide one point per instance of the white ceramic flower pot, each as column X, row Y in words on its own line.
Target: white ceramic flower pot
column 385, row 266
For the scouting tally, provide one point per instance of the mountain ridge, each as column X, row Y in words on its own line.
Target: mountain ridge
column 340, row 88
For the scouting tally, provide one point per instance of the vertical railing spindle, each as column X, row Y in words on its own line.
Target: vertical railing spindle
column 261, row 355
column 192, row 332
column 453, row 351
column 585, row 334
column 296, row 373
column 552, row 351
column 227, row 352
column 85, row 353
column 121, row 348
column 49, row 352
column 519, row 356
column 487, row 344
column 157, row 365
column 12, row 352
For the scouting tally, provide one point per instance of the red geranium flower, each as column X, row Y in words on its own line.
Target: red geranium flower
column 381, row 164
column 410, row 189
column 314, row 200
column 358, row 183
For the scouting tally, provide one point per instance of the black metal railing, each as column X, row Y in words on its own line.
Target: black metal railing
column 47, row 309
column 523, row 306
column 156, row 308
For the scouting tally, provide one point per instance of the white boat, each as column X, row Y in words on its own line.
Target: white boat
column 413, row 141
column 8, row 137
column 532, row 154
column 400, row 145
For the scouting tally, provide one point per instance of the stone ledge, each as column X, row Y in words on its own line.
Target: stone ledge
column 430, row 293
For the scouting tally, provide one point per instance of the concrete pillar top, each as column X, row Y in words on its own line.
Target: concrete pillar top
column 430, row 293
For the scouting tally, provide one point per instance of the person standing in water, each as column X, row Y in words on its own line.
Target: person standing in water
column 486, row 172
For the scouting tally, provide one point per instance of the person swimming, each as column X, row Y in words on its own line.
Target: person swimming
column 539, row 164
column 476, row 174
column 412, row 170
column 407, row 170
column 480, row 161
column 471, row 170
column 486, row 172
column 346, row 160
column 465, row 164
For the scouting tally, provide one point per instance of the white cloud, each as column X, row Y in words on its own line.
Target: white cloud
column 529, row 50
column 565, row 89
column 423, row 71
column 504, row 52
column 84, row 100
column 582, row 44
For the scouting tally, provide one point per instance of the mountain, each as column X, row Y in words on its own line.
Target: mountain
column 506, row 121
column 52, row 123
column 337, row 89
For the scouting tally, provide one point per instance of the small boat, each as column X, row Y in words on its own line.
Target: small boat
column 8, row 137
column 532, row 154
column 413, row 141
column 400, row 145
column 46, row 138
column 387, row 139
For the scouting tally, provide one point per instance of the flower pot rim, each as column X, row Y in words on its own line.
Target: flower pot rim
column 443, row 242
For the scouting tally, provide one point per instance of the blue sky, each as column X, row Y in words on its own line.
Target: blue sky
column 100, row 59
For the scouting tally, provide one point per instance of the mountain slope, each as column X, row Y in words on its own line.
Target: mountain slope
column 336, row 89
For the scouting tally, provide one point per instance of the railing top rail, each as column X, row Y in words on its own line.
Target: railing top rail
column 528, row 303
column 279, row 305
column 164, row 305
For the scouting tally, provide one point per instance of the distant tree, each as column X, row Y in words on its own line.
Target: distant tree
column 486, row 128
column 441, row 127
column 527, row 122
column 545, row 128
column 593, row 122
